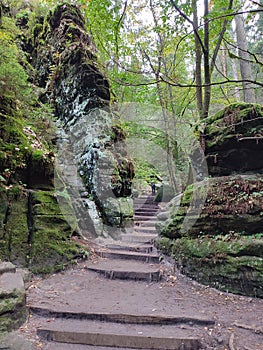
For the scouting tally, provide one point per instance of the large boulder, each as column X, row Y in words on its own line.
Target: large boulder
column 214, row 206
column 214, row 229
column 233, row 139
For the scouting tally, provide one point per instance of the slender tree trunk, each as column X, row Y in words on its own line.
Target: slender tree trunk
column 198, row 61
column 207, row 93
column 245, row 65
column 235, row 75
column 1, row 14
column 166, row 98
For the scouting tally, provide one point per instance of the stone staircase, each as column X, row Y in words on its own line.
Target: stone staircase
column 135, row 261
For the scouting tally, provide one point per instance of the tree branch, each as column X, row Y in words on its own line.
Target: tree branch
column 190, row 21
column 221, row 35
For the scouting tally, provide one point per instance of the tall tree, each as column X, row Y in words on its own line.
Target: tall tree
column 245, row 64
column 203, row 49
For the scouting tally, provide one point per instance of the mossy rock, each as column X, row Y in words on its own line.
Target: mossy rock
column 37, row 235
column 215, row 234
column 164, row 193
column 233, row 137
column 234, row 265
column 217, row 205
column 13, row 310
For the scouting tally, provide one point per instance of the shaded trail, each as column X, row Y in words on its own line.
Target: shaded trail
column 125, row 298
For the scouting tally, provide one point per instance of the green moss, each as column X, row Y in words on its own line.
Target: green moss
column 188, row 195
column 12, row 310
column 236, row 119
column 235, row 265
column 37, row 235
column 37, row 155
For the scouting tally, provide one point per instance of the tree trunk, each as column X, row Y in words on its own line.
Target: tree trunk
column 245, row 65
column 1, row 14
column 198, row 61
column 207, row 94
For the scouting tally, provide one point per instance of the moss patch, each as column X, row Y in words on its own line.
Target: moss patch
column 234, row 265
column 35, row 233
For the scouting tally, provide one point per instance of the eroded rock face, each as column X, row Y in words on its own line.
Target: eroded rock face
column 216, row 206
column 90, row 147
column 233, row 138
column 214, row 231
column 33, row 230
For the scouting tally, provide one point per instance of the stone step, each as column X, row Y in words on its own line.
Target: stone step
column 7, row 267
column 145, row 206
column 139, row 217
column 65, row 346
column 118, row 335
column 146, row 213
column 128, row 255
column 133, row 247
column 130, row 270
column 147, row 223
column 123, row 318
column 144, row 200
column 148, row 236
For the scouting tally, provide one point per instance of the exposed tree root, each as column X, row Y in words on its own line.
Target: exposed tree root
column 257, row 330
column 231, row 342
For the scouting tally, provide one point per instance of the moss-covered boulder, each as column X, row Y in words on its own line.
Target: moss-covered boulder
column 33, row 231
column 233, row 138
column 228, row 262
column 214, row 231
column 216, row 205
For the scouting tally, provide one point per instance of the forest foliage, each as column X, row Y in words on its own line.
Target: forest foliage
column 180, row 58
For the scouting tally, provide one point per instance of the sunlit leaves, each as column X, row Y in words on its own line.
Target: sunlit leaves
column 13, row 79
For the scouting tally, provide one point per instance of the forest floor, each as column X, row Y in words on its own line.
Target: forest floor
column 238, row 319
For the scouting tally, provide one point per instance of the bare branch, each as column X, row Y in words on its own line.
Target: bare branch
column 195, row 29
column 249, row 52
column 221, row 35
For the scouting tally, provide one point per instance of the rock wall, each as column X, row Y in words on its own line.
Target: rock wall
column 214, row 229
column 33, row 231
column 92, row 156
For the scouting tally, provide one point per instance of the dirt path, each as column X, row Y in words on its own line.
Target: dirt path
column 133, row 305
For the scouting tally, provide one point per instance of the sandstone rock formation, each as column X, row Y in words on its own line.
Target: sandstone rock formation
column 214, row 229
column 92, row 158
column 233, row 137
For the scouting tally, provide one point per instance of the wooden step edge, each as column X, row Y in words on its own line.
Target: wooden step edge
column 121, row 317
column 145, row 248
column 119, row 340
column 104, row 253
column 149, row 276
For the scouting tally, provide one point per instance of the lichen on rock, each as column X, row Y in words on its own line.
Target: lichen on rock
column 92, row 154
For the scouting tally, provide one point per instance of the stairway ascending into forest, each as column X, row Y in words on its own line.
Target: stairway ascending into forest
column 111, row 305
column 134, row 257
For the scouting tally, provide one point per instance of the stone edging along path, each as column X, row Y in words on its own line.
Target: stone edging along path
column 125, row 298
column 12, row 297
